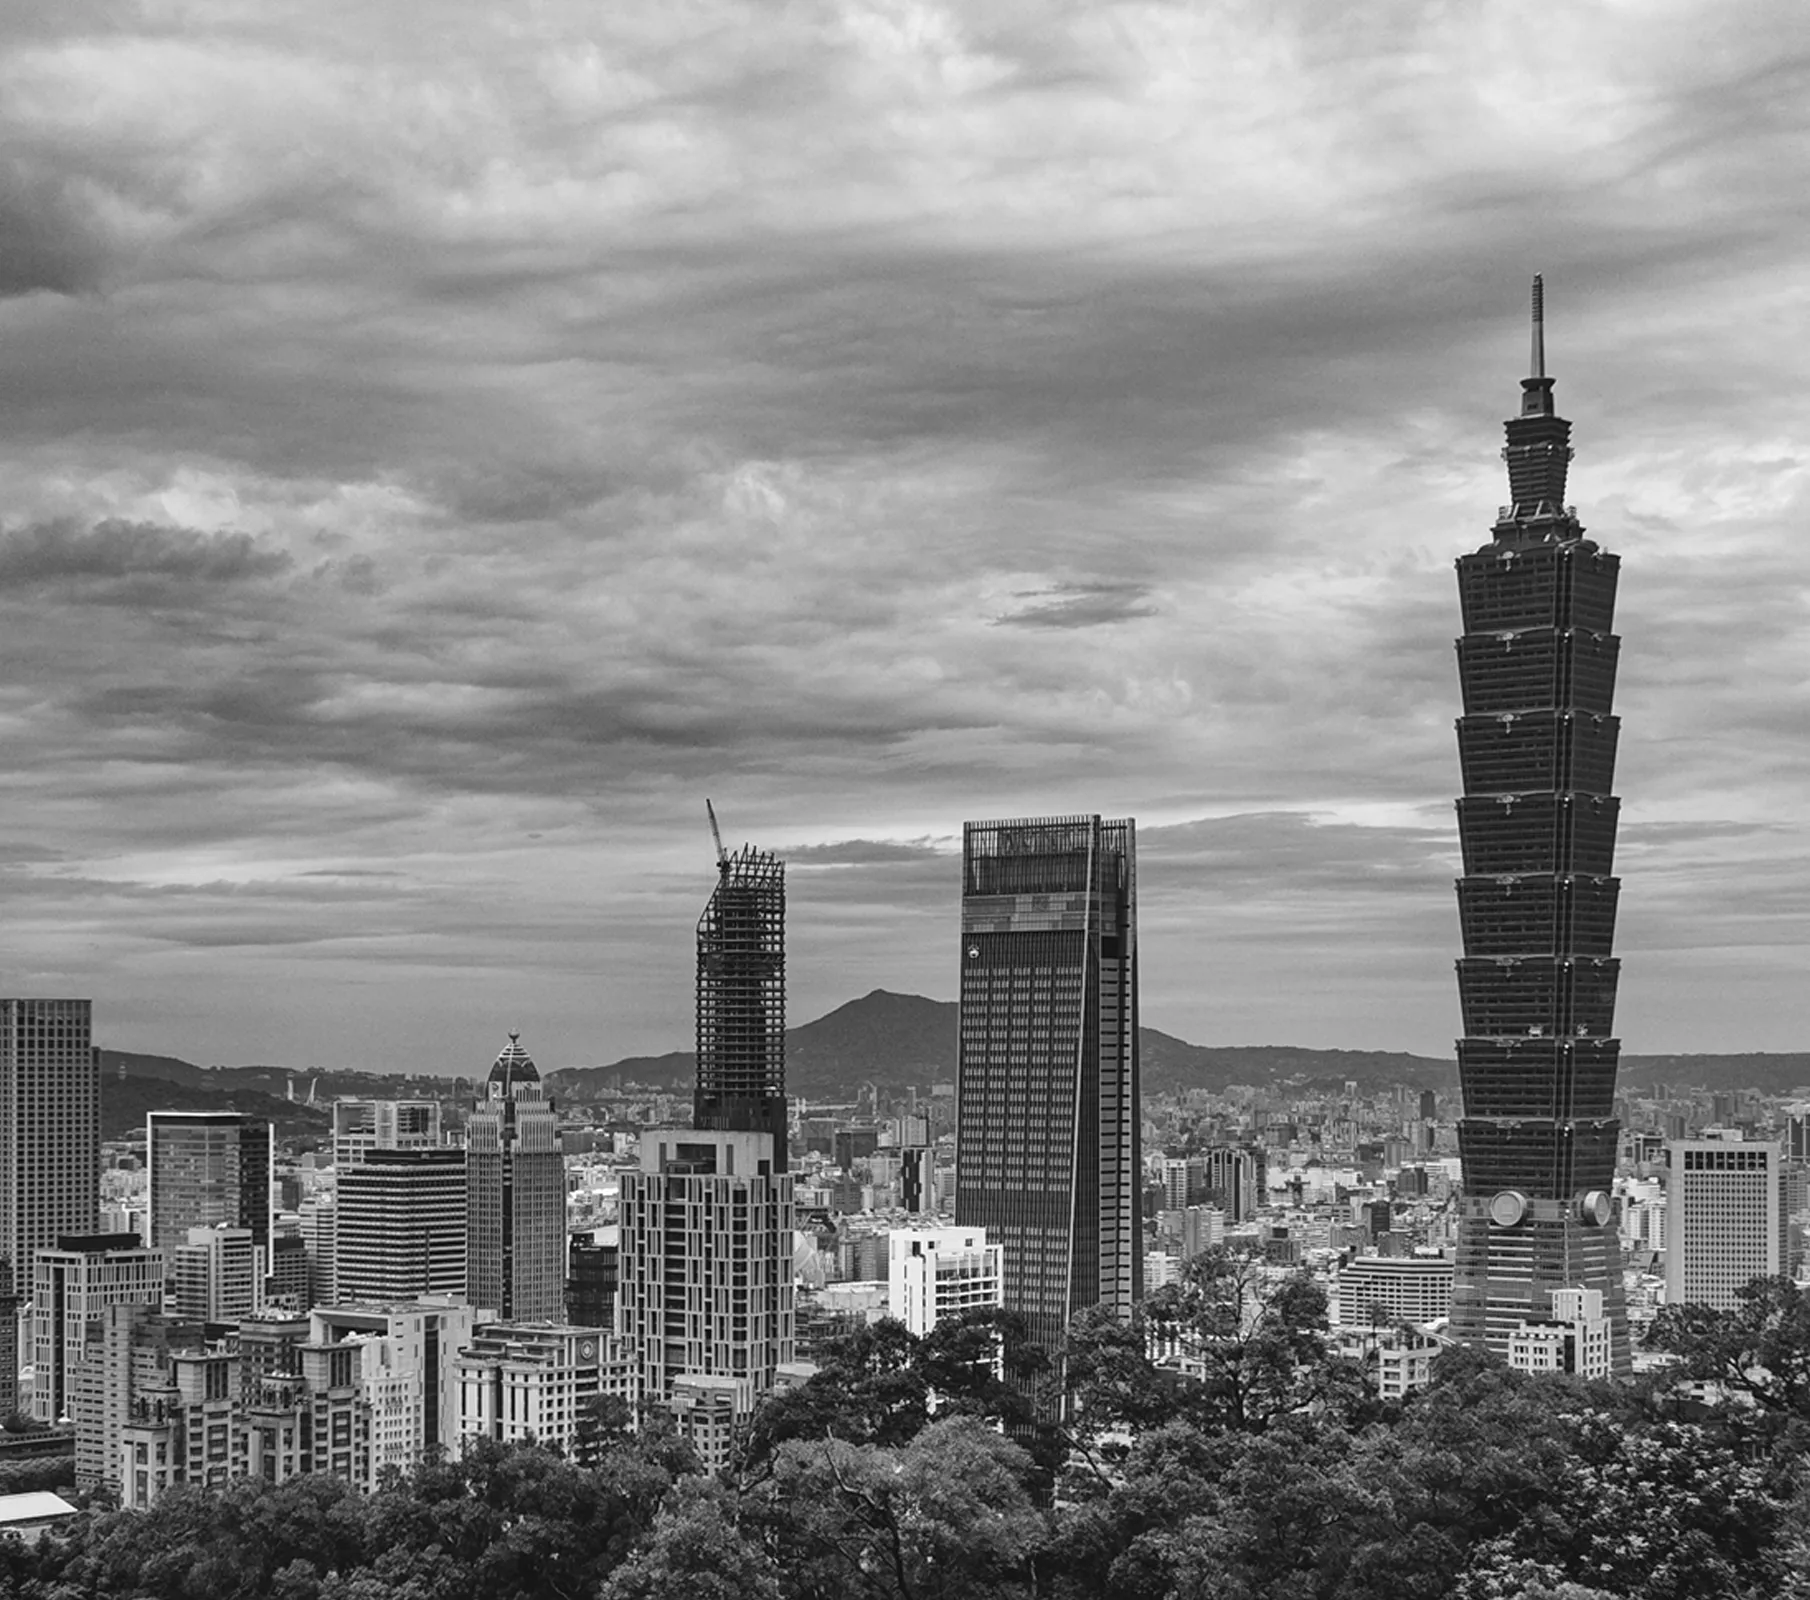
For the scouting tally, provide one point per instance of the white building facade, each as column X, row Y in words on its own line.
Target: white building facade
column 1725, row 1219
column 940, row 1272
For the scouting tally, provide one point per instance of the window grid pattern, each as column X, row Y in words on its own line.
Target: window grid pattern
column 1047, row 1157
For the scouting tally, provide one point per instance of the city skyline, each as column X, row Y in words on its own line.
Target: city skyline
column 436, row 457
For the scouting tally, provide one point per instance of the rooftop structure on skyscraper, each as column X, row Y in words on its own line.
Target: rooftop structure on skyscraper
column 1537, row 902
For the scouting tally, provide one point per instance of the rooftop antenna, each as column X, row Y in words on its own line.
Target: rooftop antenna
column 722, row 855
column 1539, row 328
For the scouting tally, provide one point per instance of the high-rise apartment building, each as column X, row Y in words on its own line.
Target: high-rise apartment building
column 515, row 1185
column 401, row 1226
column 50, row 1149
column 1537, row 902
column 1047, row 1135
column 706, row 1262
column 1725, row 1219
column 207, row 1169
column 73, row 1282
column 407, row 1353
column 127, row 1350
column 705, row 1243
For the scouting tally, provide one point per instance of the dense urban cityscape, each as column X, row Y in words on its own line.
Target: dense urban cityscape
column 848, row 801
column 428, row 1277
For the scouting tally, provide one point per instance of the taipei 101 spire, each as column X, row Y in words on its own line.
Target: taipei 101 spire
column 1537, row 903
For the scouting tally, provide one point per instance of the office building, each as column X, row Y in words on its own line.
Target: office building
column 73, row 1282
column 1725, row 1219
column 705, row 1410
column 521, row 1382
column 1393, row 1289
column 207, row 1169
column 592, row 1267
column 317, row 1219
column 360, row 1126
column 1235, row 1178
column 286, row 1279
column 706, row 1263
column 1797, row 1133
column 1047, row 1114
column 214, row 1275
column 515, row 1187
column 1537, row 901
column 50, row 1150
column 741, row 1000
column 1574, row 1337
column 935, row 1273
column 919, row 1190
column 401, row 1226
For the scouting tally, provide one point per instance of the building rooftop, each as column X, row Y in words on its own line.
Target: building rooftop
column 513, row 1066
column 33, row 1507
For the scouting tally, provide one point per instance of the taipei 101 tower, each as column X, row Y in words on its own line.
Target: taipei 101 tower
column 1537, row 901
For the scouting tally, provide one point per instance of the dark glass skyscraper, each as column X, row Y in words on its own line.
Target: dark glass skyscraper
column 1047, row 1157
column 207, row 1169
column 1537, row 901
column 742, row 1000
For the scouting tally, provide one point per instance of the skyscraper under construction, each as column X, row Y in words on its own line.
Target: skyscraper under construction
column 705, row 1294
column 1537, row 901
column 1047, row 1135
column 742, row 999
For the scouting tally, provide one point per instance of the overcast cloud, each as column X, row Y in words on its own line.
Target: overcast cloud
column 441, row 443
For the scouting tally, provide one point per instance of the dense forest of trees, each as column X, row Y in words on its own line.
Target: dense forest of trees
column 889, row 1477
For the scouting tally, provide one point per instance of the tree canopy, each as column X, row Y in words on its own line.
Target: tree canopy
column 1218, row 1453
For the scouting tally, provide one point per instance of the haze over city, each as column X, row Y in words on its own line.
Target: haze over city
column 441, row 447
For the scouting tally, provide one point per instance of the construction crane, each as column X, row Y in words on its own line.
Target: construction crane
column 716, row 833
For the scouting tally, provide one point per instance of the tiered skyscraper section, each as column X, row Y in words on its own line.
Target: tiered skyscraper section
column 1537, row 901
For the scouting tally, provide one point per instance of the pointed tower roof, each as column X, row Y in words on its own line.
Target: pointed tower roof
column 1538, row 451
column 514, row 1066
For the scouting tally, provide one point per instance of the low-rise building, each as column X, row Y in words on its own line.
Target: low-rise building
column 1399, row 1288
column 523, row 1381
column 1575, row 1338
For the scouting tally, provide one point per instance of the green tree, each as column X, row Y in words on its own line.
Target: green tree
column 944, row 1517
column 1234, row 1346
column 1760, row 1349
column 697, row 1549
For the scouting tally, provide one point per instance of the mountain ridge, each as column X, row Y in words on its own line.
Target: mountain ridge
column 892, row 1039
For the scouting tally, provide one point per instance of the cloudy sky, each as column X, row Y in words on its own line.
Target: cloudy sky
column 442, row 443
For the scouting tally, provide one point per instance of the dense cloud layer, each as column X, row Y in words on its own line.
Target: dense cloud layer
column 442, row 444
